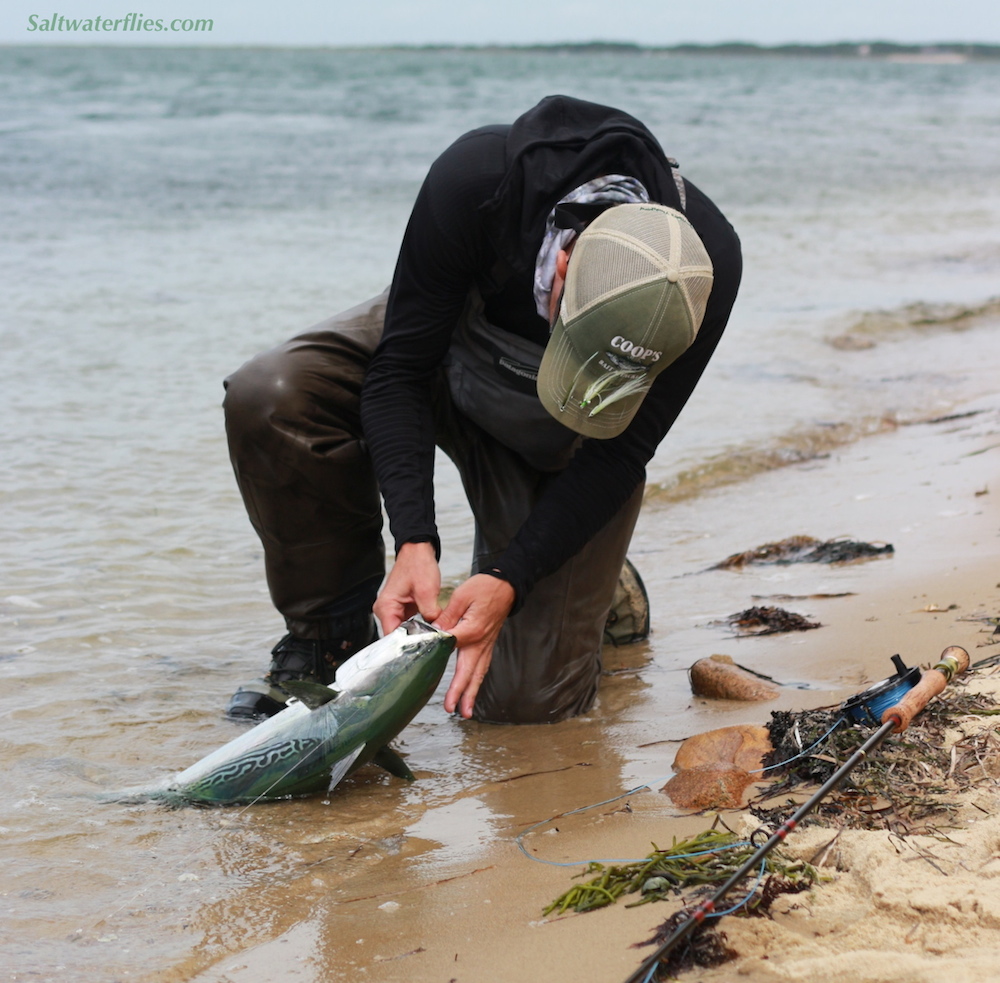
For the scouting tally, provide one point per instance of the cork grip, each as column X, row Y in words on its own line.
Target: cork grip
column 954, row 660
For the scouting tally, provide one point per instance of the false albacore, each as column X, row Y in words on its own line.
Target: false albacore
column 325, row 732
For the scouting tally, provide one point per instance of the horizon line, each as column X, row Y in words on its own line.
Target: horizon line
column 873, row 46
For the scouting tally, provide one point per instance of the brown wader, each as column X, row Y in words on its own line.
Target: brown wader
column 294, row 428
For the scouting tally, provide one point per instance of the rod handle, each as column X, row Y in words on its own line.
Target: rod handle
column 954, row 661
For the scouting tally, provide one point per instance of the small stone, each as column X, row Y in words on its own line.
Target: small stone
column 708, row 787
column 718, row 677
column 743, row 746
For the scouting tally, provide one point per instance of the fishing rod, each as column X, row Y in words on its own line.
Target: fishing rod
column 954, row 661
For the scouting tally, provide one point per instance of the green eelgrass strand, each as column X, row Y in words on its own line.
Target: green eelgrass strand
column 711, row 857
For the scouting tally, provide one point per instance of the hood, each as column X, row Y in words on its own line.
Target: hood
column 555, row 147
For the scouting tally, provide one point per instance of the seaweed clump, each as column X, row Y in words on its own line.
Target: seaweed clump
column 704, row 948
column 707, row 945
column 913, row 778
column 805, row 549
column 760, row 620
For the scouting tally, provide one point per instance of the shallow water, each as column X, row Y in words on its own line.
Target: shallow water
column 169, row 213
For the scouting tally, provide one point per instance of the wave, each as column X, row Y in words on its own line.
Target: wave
column 871, row 327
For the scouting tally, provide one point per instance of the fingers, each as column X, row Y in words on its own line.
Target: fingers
column 426, row 601
column 470, row 672
column 477, row 608
column 390, row 613
column 474, row 615
column 411, row 588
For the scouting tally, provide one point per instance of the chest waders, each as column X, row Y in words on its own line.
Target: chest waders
column 295, row 438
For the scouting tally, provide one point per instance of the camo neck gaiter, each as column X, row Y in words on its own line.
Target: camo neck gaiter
column 615, row 189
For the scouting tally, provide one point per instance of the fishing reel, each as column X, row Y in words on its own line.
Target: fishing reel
column 868, row 707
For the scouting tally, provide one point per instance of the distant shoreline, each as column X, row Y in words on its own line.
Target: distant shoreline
column 949, row 52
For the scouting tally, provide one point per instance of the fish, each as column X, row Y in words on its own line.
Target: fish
column 325, row 732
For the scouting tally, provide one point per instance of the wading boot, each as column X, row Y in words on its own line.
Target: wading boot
column 628, row 619
column 313, row 659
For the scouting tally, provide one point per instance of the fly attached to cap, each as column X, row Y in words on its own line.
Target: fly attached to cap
column 636, row 290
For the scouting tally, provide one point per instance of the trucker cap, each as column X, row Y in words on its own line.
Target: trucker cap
column 635, row 295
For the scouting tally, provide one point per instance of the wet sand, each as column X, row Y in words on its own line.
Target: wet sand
column 450, row 897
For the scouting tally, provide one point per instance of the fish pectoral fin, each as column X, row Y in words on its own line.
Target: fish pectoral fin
column 343, row 766
column 313, row 695
column 390, row 760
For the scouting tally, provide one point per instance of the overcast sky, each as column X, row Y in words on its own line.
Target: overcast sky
column 651, row 22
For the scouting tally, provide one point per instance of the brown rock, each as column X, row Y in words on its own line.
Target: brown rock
column 708, row 787
column 743, row 746
column 718, row 677
column 714, row 768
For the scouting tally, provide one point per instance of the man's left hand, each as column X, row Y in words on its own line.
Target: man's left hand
column 474, row 615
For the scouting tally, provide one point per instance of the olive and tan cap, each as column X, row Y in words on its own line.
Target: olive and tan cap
column 636, row 289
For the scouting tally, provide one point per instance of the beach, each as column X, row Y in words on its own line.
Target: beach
column 885, row 915
column 169, row 213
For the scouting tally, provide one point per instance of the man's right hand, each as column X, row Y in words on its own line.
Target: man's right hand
column 412, row 587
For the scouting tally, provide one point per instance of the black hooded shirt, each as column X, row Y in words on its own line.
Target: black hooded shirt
column 478, row 221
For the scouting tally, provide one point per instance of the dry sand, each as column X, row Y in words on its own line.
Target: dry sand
column 896, row 909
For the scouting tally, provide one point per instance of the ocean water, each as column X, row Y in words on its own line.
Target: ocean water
column 168, row 213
